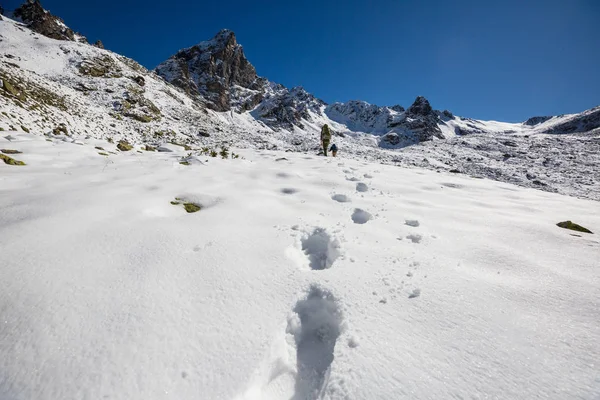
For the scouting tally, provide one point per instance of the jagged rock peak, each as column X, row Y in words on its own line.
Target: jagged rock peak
column 42, row 21
column 217, row 70
column 421, row 106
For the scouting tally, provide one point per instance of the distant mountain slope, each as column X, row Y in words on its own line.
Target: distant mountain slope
column 210, row 95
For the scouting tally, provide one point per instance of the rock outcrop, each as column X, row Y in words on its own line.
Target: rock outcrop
column 42, row 21
column 218, row 71
column 536, row 120
column 283, row 108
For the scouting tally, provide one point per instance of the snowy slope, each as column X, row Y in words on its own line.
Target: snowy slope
column 289, row 283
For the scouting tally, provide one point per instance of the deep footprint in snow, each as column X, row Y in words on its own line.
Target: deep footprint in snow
column 289, row 190
column 361, row 216
column 361, row 187
column 341, row 198
column 316, row 326
column 321, row 248
column 412, row 222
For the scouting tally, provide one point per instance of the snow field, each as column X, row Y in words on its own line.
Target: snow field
column 452, row 287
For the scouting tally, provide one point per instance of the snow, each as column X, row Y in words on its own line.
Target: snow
column 567, row 164
column 454, row 288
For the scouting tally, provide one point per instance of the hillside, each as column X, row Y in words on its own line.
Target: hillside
column 298, row 278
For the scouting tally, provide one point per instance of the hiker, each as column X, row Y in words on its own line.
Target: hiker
column 325, row 138
column 333, row 149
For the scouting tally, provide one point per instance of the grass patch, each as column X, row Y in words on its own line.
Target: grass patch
column 99, row 148
column 124, row 146
column 175, row 203
column 10, row 161
column 8, row 151
column 573, row 226
column 184, row 162
column 24, row 128
column 191, row 207
column 102, row 153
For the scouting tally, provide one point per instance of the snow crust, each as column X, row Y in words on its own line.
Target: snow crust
column 455, row 288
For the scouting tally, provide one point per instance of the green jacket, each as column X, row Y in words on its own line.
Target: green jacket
column 325, row 133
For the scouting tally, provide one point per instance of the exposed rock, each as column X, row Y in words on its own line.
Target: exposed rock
column 42, row 21
column 536, row 120
column 583, row 122
column 216, row 69
column 398, row 108
column 99, row 44
column 61, row 129
column 139, row 80
column 392, row 139
column 448, row 114
column 285, row 108
column 420, row 107
column 104, row 67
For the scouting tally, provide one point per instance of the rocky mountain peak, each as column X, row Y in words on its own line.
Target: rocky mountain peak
column 420, row 106
column 217, row 70
column 42, row 21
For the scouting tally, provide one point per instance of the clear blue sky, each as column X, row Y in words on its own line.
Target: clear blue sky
column 489, row 59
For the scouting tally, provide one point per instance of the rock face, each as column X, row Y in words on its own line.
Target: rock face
column 99, row 44
column 283, row 108
column 536, row 120
column 398, row 127
column 584, row 122
column 420, row 107
column 218, row 71
column 42, row 21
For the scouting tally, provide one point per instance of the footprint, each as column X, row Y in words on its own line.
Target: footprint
column 283, row 175
column 361, row 187
column 321, row 248
column 415, row 238
column 453, row 185
column 368, row 176
column 352, row 179
column 316, row 326
column 361, row 216
column 411, row 222
column 341, row 198
column 289, row 190
column 415, row 293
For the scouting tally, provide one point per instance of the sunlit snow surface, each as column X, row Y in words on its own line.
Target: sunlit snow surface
column 455, row 287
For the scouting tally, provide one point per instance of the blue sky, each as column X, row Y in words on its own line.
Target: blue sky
column 504, row 60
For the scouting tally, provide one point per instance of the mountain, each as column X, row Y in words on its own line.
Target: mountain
column 53, row 82
column 42, row 21
column 218, row 71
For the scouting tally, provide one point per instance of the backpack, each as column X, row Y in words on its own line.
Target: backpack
column 325, row 133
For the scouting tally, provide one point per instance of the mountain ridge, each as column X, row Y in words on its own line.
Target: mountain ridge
column 71, row 90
